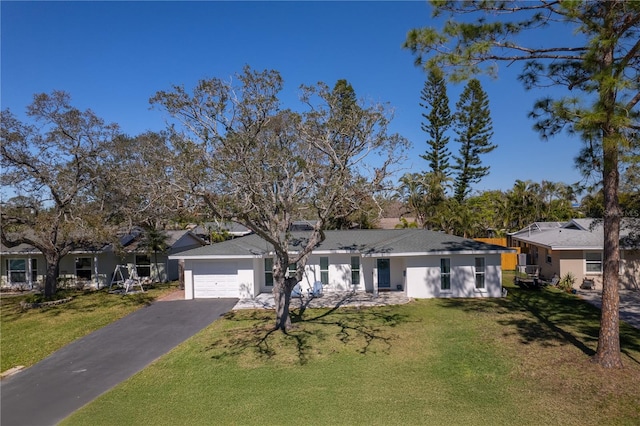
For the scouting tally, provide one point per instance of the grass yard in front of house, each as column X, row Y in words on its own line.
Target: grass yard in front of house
column 29, row 336
column 520, row 360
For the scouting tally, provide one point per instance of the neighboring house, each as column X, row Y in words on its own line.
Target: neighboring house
column 577, row 247
column 24, row 266
column 421, row 263
column 233, row 229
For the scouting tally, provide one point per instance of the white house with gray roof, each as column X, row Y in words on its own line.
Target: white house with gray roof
column 577, row 247
column 421, row 263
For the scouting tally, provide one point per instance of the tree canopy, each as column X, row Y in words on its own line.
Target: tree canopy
column 49, row 170
column 253, row 162
column 598, row 63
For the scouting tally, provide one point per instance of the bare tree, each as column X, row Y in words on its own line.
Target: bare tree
column 600, row 66
column 138, row 181
column 49, row 172
column 264, row 167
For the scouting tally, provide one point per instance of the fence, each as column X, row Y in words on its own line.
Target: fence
column 509, row 260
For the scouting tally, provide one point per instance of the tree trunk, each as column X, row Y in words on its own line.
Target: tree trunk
column 51, row 276
column 608, row 352
column 282, row 298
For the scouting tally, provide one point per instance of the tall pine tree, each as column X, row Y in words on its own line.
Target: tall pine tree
column 474, row 128
column 438, row 121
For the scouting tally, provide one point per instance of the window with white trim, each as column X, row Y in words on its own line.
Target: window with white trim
column 291, row 271
column 480, row 272
column 547, row 256
column 83, row 268
column 445, row 274
column 355, row 270
column 16, row 270
column 324, row 270
column 268, row 272
column 593, row 261
column 143, row 265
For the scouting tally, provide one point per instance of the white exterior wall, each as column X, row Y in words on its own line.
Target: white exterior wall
column 368, row 273
column 417, row 276
column 188, row 279
column 423, row 276
column 244, row 273
column 246, row 279
column 339, row 273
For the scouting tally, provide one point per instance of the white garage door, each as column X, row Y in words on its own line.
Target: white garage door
column 215, row 279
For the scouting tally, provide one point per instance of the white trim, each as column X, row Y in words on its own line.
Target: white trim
column 585, row 262
column 216, row 256
column 330, row 252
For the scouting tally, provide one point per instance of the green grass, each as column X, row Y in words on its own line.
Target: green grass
column 28, row 336
column 522, row 360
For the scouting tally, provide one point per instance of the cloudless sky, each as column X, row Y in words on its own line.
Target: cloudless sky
column 113, row 56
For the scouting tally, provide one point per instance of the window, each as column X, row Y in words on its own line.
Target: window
column 83, row 268
column 143, row 265
column 355, row 270
column 17, row 270
column 34, row 270
column 593, row 261
column 480, row 272
column 547, row 256
column 445, row 274
column 324, row 270
column 268, row 272
column 291, row 272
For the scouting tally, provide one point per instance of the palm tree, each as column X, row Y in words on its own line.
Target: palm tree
column 412, row 192
column 155, row 241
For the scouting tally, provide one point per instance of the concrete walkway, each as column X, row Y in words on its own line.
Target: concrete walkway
column 327, row 300
column 629, row 304
column 52, row 389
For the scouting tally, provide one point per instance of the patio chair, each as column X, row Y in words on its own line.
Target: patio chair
column 316, row 291
column 588, row 284
column 297, row 291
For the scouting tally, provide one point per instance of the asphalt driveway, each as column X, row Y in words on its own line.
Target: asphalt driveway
column 629, row 304
column 52, row 389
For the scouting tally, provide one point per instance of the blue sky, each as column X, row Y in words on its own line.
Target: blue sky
column 113, row 56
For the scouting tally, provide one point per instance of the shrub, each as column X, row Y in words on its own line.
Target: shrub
column 567, row 281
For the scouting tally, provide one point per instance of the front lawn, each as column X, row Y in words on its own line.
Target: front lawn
column 521, row 360
column 28, row 336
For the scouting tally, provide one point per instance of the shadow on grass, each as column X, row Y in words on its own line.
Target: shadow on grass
column 313, row 331
column 83, row 301
column 550, row 318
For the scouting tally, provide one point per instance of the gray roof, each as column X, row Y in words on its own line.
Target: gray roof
column 129, row 241
column 580, row 234
column 232, row 228
column 539, row 227
column 374, row 242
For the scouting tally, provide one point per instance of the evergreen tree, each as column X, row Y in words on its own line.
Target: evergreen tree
column 438, row 121
column 597, row 63
column 474, row 128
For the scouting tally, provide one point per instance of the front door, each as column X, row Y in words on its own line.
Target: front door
column 384, row 273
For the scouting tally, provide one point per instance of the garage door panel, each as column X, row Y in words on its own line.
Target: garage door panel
column 216, row 280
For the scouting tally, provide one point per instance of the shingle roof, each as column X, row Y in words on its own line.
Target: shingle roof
column 129, row 241
column 580, row 234
column 375, row 242
column 539, row 227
